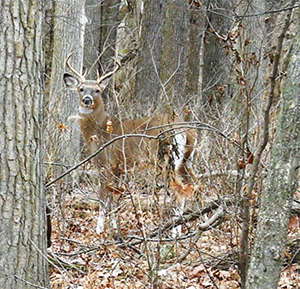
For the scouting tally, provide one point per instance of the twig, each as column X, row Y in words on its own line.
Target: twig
column 188, row 217
column 29, row 283
column 267, row 12
column 62, row 263
column 49, row 261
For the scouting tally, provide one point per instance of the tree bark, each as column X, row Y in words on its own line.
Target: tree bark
column 109, row 26
column 92, row 37
column 274, row 213
column 251, row 81
column 196, row 31
column 62, row 134
column 216, row 63
column 149, row 65
column 175, row 46
column 22, row 195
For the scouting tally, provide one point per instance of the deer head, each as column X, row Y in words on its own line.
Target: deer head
column 89, row 90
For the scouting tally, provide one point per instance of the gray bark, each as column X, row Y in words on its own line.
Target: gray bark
column 92, row 37
column 150, row 54
column 22, row 195
column 62, row 134
column 216, row 64
column 196, row 30
column 274, row 213
column 109, row 26
column 175, row 46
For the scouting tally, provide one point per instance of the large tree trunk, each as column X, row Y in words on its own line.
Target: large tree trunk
column 92, row 37
column 274, row 213
column 175, row 46
column 62, row 135
column 252, row 76
column 149, row 66
column 22, row 201
column 109, row 26
column 216, row 63
column 195, row 47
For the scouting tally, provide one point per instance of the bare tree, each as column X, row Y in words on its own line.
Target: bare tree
column 23, row 202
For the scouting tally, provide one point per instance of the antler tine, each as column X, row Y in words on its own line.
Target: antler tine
column 100, row 79
column 81, row 77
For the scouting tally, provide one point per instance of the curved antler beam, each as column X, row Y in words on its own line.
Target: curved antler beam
column 79, row 75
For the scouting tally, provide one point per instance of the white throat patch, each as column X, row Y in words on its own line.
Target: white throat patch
column 85, row 110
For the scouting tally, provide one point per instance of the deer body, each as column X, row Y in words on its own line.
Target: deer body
column 121, row 156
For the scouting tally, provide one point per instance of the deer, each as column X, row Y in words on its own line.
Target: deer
column 128, row 153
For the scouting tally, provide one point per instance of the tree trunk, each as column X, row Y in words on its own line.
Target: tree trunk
column 175, row 46
column 274, row 213
column 109, row 26
column 92, row 37
column 23, row 201
column 216, row 63
column 196, row 30
column 251, row 71
column 62, row 135
column 149, row 66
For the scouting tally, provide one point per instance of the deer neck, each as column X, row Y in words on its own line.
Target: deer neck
column 93, row 122
column 94, row 117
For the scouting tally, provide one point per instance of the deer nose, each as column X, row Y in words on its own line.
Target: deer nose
column 87, row 100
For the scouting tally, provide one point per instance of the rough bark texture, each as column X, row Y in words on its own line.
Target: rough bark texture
column 22, row 197
column 62, row 135
column 175, row 47
column 216, row 64
column 250, row 100
column 92, row 37
column 196, row 30
column 109, row 26
column 150, row 54
column 268, row 251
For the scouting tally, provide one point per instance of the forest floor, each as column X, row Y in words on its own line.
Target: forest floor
column 145, row 253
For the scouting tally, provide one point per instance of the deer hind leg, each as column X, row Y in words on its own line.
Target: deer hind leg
column 93, row 143
column 183, row 154
column 107, row 202
column 105, row 208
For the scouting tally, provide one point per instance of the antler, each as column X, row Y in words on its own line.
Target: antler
column 100, row 79
column 81, row 77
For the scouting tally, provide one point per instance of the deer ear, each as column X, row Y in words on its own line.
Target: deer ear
column 71, row 81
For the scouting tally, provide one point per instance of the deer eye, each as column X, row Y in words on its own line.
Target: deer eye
column 97, row 90
column 81, row 89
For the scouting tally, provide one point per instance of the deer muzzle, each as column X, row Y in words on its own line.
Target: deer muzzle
column 87, row 101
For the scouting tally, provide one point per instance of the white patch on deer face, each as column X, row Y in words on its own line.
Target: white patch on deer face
column 180, row 143
column 85, row 110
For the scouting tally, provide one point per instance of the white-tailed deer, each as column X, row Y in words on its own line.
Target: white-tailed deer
column 123, row 155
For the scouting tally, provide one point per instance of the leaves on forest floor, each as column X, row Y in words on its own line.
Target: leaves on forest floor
column 146, row 255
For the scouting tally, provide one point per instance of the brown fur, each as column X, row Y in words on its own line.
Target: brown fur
column 127, row 153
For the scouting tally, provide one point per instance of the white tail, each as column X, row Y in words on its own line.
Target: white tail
column 98, row 128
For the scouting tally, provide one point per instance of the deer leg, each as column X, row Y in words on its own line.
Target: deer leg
column 102, row 212
column 106, row 206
